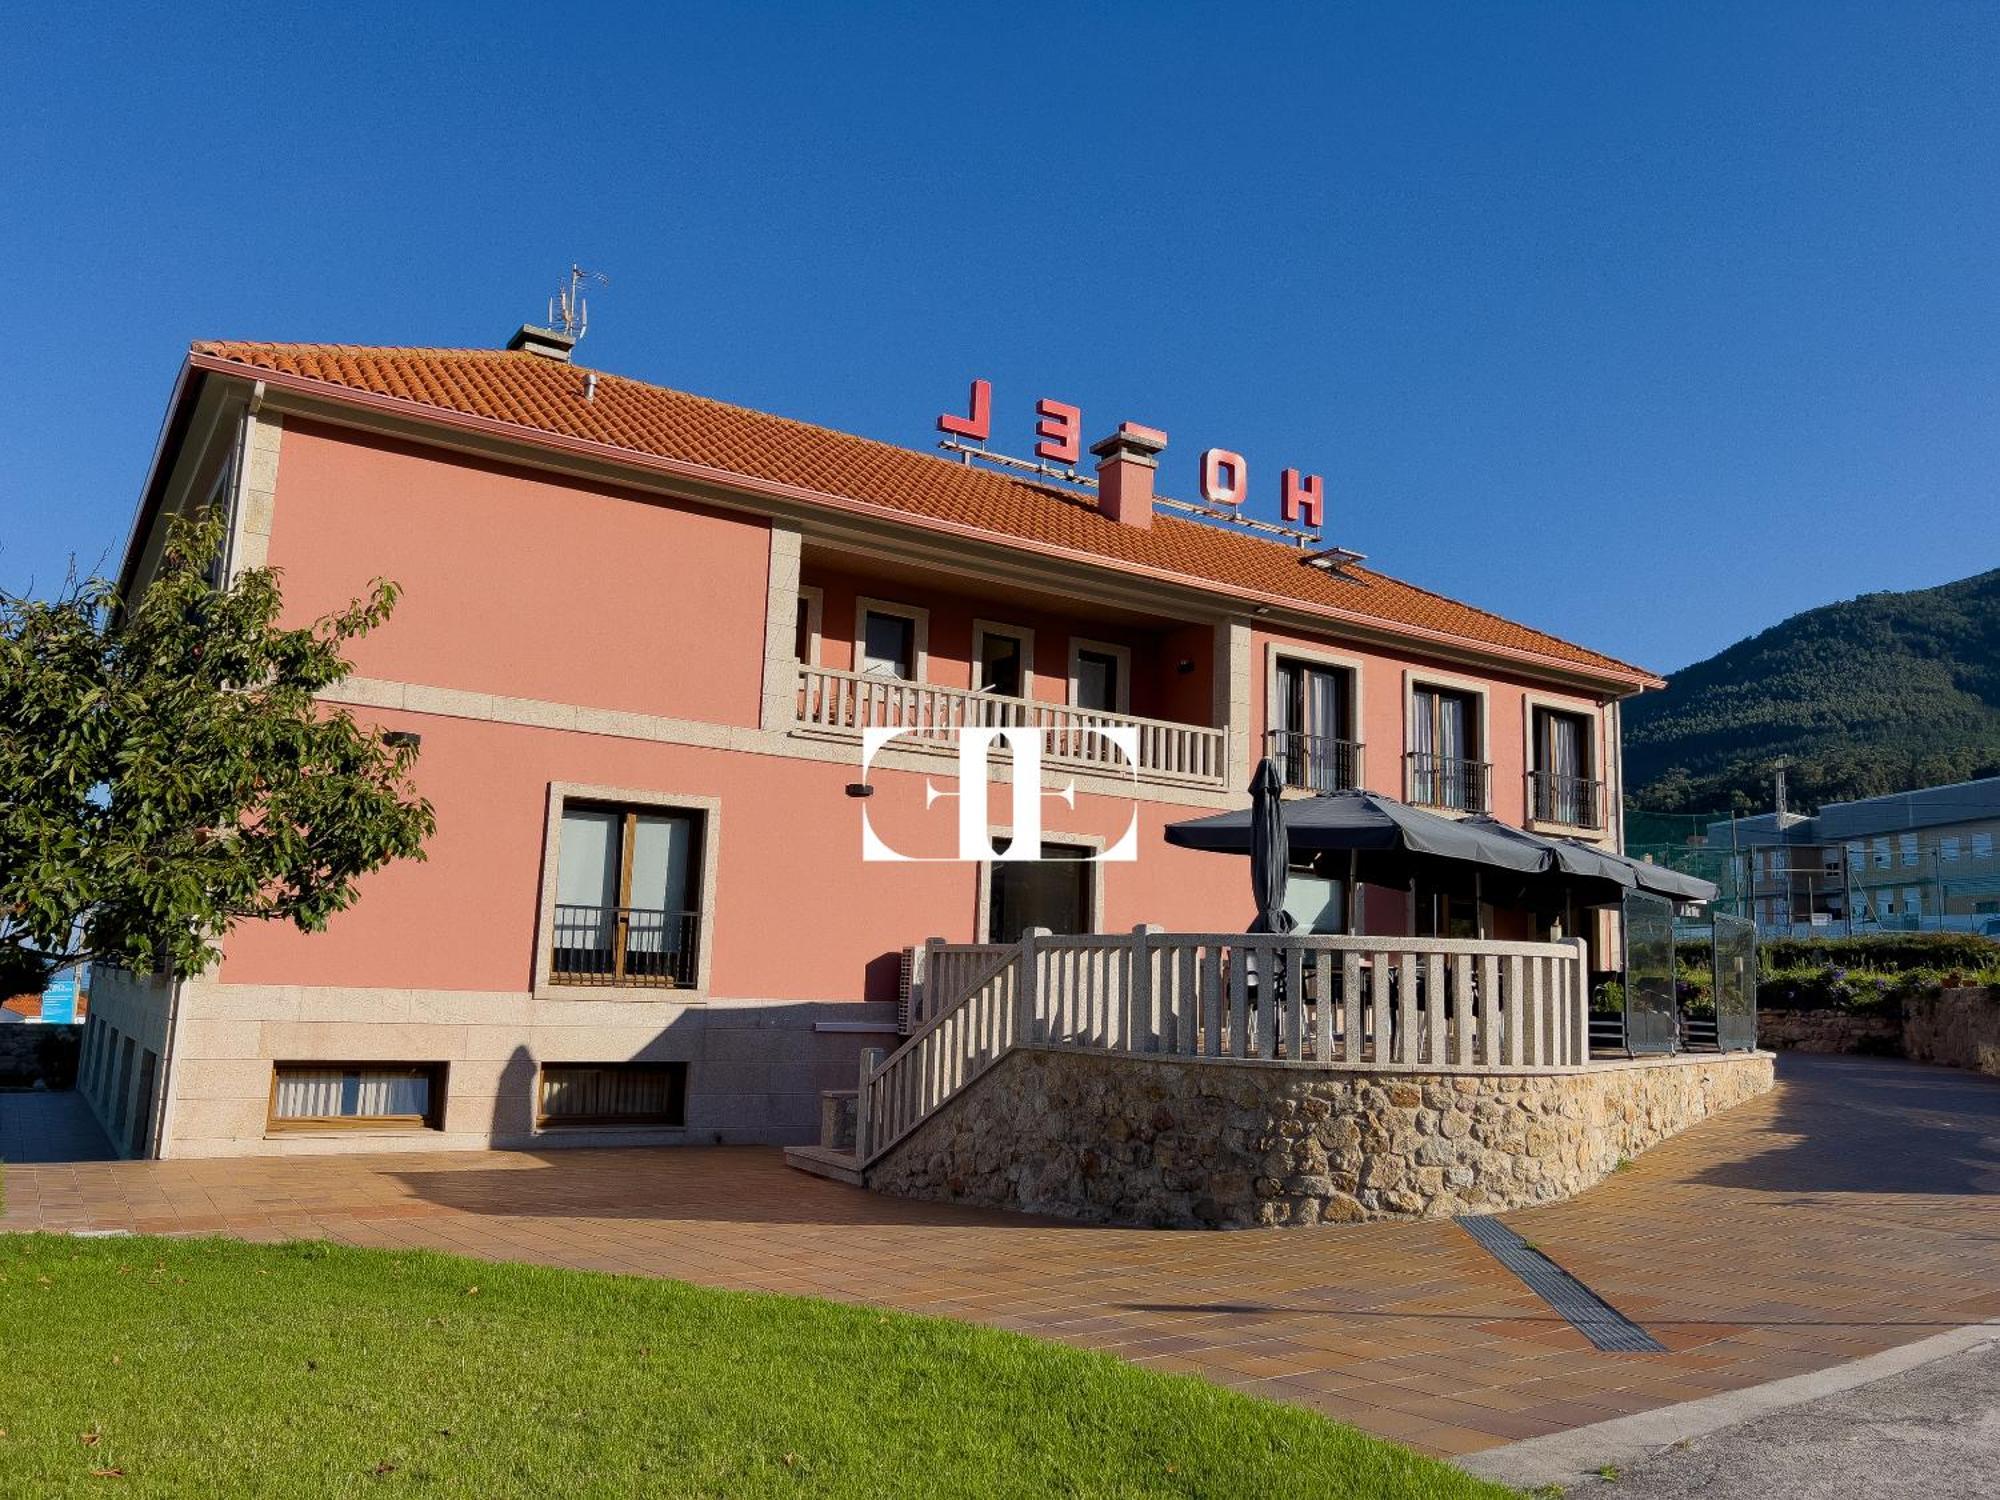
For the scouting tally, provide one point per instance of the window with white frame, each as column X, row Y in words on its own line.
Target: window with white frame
column 1445, row 755
column 1906, row 848
column 1099, row 677
column 888, row 642
column 1311, row 736
column 1982, row 846
column 1001, row 666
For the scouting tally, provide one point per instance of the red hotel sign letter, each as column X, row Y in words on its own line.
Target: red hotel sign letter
column 979, row 425
column 1303, row 499
column 1060, row 428
column 1214, row 464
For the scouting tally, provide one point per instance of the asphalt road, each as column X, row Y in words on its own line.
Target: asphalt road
column 1933, row 1432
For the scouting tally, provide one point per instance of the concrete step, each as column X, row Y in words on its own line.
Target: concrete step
column 840, row 1166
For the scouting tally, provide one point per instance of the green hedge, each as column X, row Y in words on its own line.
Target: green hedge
column 1871, row 972
column 1884, row 951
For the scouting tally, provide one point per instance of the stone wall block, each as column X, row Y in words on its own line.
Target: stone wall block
column 1168, row 1143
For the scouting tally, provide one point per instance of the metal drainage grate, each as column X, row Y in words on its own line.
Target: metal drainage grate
column 1580, row 1307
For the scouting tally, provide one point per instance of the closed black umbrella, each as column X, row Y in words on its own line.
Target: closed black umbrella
column 1270, row 853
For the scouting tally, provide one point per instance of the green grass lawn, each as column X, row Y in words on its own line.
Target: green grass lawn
column 211, row 1368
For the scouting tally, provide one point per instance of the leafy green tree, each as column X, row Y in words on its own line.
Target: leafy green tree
column 166, row 771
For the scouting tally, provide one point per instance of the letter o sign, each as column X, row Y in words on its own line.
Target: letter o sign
column 1225, row 478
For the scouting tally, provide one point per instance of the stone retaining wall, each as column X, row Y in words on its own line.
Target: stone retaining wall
column 1959, row 1028
column 1220, row 1143
column 1829, row 1031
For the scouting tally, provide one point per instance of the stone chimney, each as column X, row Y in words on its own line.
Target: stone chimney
column 1126, row 463
column 550, row 343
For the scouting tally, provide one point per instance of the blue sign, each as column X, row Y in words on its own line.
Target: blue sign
column 59, row 1001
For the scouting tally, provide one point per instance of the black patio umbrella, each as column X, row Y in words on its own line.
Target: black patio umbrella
column 1269, row 852
column 1385, row 841
column 1365, row 823
column 1599, row 875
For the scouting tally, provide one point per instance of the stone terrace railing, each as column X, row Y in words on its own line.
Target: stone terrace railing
column 849, row 702
column 1382, row 1004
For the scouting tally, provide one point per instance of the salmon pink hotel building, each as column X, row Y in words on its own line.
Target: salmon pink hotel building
column 640, row 638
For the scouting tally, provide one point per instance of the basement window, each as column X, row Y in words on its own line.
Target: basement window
column 374, row 1096
column 633, row 1093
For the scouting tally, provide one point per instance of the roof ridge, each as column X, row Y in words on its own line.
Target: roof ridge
column 612, row 377
column 953, row 489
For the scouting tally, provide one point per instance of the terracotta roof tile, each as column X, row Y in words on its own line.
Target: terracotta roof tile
column 545, row 396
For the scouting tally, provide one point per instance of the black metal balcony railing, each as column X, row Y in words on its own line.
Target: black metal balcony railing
column 606, row 945
column 1441, row 781
column 1316, row 762
column 1575, row 800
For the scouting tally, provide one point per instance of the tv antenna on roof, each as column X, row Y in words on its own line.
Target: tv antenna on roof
column 567, row 308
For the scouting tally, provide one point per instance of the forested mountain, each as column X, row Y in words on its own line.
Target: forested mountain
column 1882, row 693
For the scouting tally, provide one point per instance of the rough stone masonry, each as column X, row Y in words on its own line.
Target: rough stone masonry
column 1174, row 1142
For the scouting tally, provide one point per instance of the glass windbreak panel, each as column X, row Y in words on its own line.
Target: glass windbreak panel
column 1735, row 981
column 1053, row 892
column 1097, row 681
column 1000, row 665
column 889, row 645
column 1314, row 902
column 1651, row 1019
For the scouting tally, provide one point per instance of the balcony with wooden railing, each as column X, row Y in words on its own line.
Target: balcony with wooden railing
column 832, row 701
column 1314, row 762
column 1572, row 801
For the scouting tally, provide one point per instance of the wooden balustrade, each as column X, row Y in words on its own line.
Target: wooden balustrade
column 949, row 970
column 1436, row 1004
column 849, row 702
column 941, row 1057
column 1433, row 1005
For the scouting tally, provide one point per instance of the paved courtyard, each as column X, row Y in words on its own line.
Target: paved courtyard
column 1850, row 1210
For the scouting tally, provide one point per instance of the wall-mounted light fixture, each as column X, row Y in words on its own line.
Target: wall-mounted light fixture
column 399, row 739
column 860, row 789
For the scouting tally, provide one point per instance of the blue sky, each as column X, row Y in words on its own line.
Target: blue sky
column 1646, row 324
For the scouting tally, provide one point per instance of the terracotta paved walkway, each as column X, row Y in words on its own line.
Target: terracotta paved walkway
column 1851, row 1210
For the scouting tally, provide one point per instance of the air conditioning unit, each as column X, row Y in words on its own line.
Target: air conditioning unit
column 909, row 981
